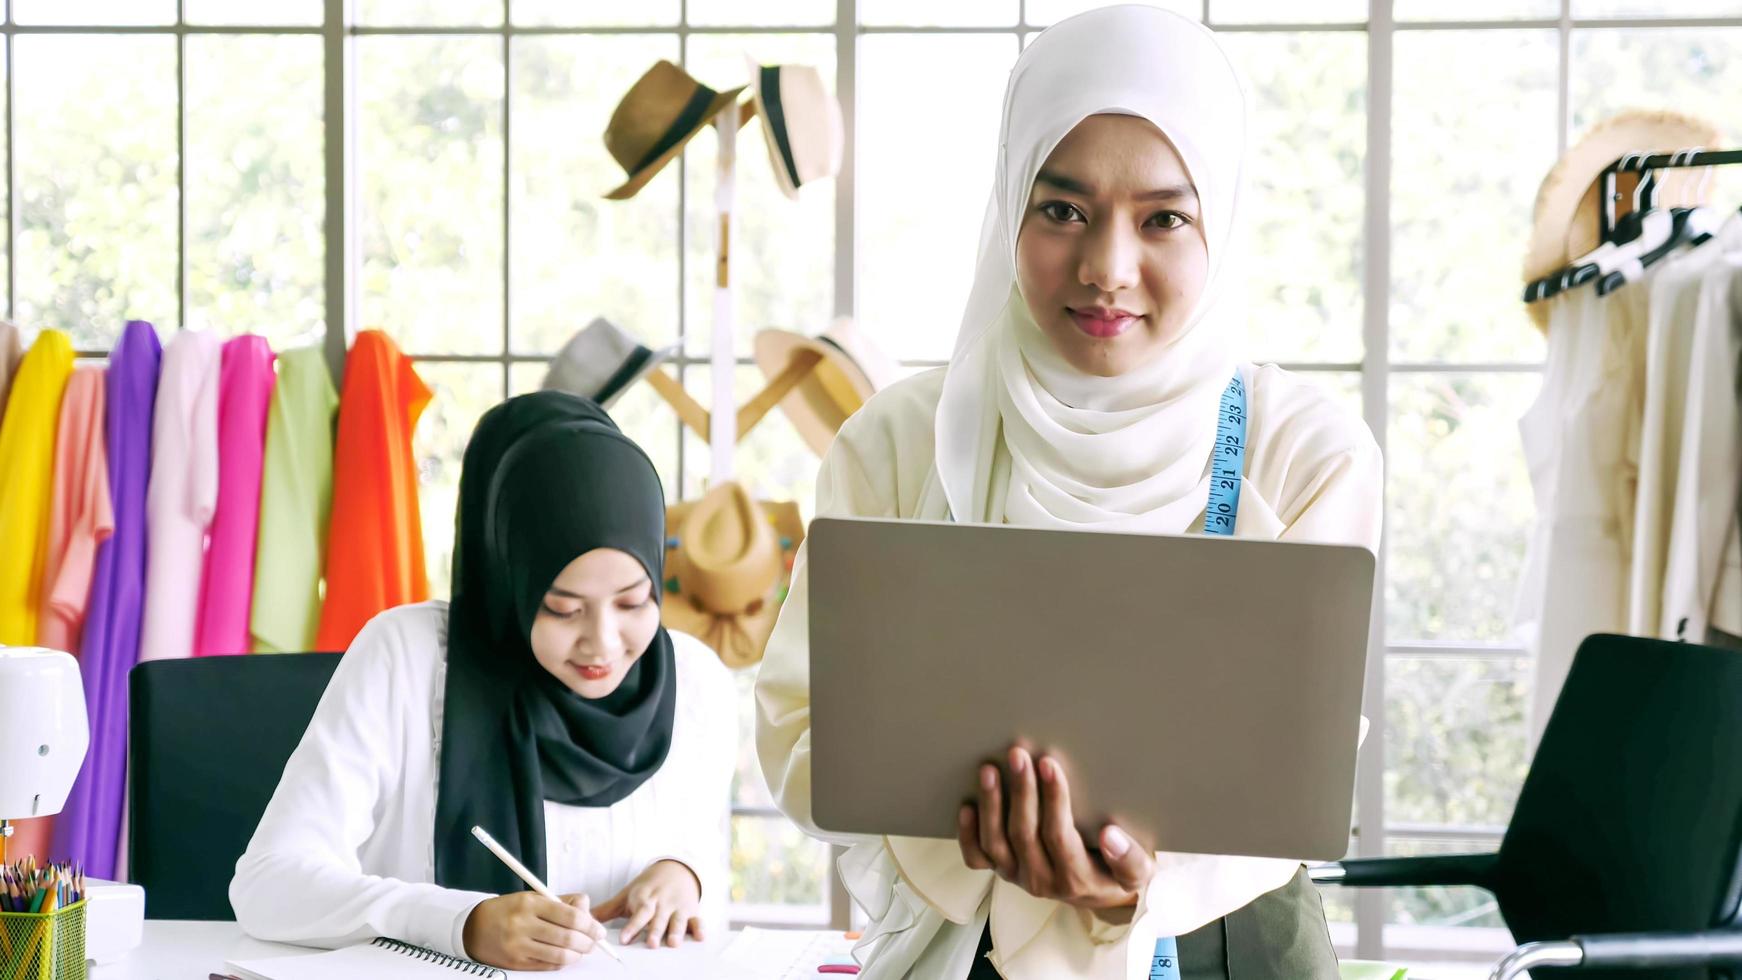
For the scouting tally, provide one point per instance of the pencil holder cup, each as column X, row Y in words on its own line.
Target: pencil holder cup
column 48, row 946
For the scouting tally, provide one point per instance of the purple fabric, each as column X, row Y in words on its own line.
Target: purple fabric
column 89, row 828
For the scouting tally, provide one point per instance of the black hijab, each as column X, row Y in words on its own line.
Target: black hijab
column 547, row 477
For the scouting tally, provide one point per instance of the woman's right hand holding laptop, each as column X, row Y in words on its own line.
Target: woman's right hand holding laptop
column 1033, row 842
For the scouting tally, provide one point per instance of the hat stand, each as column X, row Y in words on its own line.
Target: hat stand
column 722, row 437
column 699, row 419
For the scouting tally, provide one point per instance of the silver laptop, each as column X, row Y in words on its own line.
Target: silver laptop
column 1204, row 692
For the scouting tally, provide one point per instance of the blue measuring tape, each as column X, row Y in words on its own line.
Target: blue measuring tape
column 1227, row 460
column 1165, row 964
column 1227, row 469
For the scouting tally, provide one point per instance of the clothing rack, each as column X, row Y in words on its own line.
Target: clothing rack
column 1648, row 164
column 1633, row 163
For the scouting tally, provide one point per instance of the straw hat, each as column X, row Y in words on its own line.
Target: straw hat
column 801, row 123
column 852, row 369
column 1564, row 221
column 661, row 112
column 601, row 362
column 728, row 564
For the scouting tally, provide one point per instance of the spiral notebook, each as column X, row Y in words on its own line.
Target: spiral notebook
column 387, row 959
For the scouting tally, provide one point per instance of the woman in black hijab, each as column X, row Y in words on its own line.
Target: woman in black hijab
column 557, row 714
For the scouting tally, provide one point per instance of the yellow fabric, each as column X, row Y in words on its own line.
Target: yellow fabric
column 27, row 437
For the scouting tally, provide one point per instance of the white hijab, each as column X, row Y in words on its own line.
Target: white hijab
column 1130, row 451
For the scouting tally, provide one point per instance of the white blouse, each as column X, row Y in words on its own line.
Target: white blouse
column 1687, row 558
column 1313, row 473
column 345, row 852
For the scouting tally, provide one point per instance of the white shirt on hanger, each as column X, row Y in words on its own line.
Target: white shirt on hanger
column 1702, row 585
column 1581, row 445
column 1675, row 293
column 1635, row 456
column 345, row 852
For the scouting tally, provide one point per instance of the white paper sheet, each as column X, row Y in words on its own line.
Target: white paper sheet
column 691, row 961
column 785, row 954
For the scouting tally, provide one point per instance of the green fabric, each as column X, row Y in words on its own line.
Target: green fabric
column 296, row 498
column 1280, row 935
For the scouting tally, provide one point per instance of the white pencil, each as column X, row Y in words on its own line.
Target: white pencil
column 521, row 871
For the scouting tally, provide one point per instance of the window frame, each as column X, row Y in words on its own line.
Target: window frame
column 1368, row 936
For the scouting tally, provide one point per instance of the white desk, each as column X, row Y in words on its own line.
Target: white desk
column 196, row 950
column 187, row 951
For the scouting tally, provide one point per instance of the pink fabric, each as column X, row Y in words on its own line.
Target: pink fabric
column 80, row 515
column 227, row 594
column 181, row 494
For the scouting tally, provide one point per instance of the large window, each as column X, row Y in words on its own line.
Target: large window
column 307, row 168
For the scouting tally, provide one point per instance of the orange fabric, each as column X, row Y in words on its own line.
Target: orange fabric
column 80, row 516
column 80, row 519
column 375, row 536
column 30, row 838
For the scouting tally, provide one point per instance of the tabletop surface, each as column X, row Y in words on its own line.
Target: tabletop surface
column 174, row 950
column 187, row 951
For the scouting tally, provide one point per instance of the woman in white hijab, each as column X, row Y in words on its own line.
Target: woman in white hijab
column 1084, row 391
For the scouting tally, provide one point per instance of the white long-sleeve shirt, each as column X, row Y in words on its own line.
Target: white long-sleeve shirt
column 1313, row 473
column 1702, row 586
column 1687, row 559
column 345, row 851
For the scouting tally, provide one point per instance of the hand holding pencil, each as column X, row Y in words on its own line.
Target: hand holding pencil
column 535, row 930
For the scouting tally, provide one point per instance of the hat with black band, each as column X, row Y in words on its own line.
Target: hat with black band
column 660, row 113
column 801, row 122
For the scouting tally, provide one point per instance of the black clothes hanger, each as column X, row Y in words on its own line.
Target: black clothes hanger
column 1628, row 243
column 1690, row 227
column 1621, row 245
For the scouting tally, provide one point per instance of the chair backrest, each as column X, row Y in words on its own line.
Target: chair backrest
column 1631, row 817
column 209, row 739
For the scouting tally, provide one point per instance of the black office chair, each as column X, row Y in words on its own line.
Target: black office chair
column 1624, row 854
column 209, row 738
